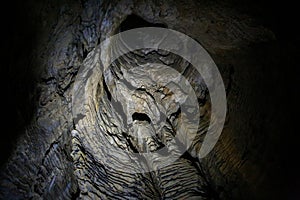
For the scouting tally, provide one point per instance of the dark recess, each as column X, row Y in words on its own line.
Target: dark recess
column 134, row 21
column 17, row 81
column 141, row 117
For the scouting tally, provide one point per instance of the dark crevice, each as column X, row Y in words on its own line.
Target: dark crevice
column 114, row 73
column 176, row 114
column 156, row 187
column 84, row 52
column 141, row 117
column 52, row 145
column 148, row 93
column 106, row 89
column 75, row 195
column 49, row 80
column 132, row 147
column 135, row 21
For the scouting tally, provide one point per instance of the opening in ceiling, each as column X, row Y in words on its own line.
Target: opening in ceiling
column 134, row 21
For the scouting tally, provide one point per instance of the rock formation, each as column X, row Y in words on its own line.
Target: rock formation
column 89, row 145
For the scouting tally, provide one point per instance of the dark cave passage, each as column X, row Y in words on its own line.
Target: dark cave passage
column 141, row 117
column 118, row 130
column 134, row 21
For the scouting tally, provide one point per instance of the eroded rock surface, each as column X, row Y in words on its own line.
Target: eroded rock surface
column 131, row 107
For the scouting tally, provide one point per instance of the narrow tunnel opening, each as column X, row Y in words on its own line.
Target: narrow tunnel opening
column 141, row 117
column 134, row 21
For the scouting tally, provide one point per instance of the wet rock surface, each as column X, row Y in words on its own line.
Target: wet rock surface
column 133, row 107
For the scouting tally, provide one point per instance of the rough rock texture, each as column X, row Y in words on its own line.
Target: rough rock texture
column 60, row 156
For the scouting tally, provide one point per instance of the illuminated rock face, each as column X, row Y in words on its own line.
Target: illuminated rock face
column 128, row 109
column 132, row 109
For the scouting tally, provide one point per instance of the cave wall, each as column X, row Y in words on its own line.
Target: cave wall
column 246, row 162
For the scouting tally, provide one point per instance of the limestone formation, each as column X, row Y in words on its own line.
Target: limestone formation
column 93, row 125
